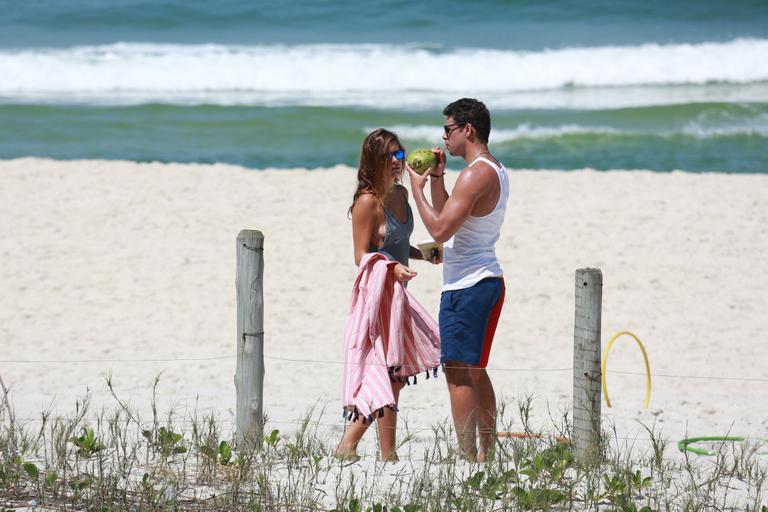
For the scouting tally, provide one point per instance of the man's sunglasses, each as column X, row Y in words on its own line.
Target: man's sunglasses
column 448, row 128
column 399, row 154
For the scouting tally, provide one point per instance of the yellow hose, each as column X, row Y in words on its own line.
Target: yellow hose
column 647, row 368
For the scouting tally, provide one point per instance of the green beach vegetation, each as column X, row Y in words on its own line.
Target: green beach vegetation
column 117, row 461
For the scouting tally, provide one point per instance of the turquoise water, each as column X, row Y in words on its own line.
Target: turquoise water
column 608, row 85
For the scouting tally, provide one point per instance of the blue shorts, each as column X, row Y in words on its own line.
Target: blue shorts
column 468, row 320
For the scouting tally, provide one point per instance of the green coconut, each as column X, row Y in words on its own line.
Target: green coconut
column 421, row 160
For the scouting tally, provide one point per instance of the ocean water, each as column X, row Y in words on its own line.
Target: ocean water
column 601, row 84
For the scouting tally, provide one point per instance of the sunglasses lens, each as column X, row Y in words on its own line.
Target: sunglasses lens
column 399, row 154
column 448, row 128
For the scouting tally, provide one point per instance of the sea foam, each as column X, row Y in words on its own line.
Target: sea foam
column 368, row 75
column 757, row 127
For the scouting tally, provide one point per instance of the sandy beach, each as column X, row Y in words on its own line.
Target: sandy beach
column 127, row 269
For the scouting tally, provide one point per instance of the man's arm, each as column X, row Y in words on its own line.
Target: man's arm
column 437, row 190
column 469, row 188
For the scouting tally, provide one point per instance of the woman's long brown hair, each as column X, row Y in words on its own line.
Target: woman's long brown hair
column 374, row 163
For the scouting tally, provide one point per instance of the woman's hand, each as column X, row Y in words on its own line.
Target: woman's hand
column 403, row 274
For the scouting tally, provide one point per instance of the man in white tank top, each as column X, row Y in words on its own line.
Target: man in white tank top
column 468, row 221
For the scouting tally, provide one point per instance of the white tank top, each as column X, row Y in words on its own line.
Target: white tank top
column 470, row 255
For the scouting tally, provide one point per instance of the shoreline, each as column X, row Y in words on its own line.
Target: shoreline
column 173, row 165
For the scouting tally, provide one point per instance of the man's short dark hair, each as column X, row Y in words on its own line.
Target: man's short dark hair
column 471, row 111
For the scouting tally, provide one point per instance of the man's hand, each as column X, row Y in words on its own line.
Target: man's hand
column 440, row 167
column 417, row 180
column 420, row 180
column 402, row 273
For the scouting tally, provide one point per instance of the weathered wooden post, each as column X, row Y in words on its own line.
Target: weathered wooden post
column 586, row 362
column 249, row 375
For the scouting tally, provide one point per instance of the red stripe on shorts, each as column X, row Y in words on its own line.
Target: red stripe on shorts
column 490, row 331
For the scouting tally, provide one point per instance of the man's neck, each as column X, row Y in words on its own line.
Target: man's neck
column 475, row 151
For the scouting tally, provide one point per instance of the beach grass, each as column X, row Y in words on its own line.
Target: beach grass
column 117, row 461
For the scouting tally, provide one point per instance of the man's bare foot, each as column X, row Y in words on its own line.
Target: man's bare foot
column 468, row 456
column 486, row 453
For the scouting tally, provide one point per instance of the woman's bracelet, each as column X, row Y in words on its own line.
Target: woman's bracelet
column 437, row 177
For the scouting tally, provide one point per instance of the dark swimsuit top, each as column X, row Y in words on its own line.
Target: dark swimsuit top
column 397, row 241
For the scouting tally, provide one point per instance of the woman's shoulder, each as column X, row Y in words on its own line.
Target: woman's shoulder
column 367, row 203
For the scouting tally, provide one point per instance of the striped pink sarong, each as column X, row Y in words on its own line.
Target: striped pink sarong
column 388, row 335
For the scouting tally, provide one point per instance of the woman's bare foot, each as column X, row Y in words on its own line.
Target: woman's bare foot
column 346, row 455
column 390, row 457
column 346, row 452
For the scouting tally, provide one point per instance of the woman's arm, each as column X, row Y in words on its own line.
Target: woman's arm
column 364, row 216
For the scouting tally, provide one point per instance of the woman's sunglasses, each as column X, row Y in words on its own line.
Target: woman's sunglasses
column 399, row 154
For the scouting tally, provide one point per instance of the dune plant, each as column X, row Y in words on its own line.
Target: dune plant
column 117, row 461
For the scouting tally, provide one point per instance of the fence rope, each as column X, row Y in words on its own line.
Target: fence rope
column 321, row 361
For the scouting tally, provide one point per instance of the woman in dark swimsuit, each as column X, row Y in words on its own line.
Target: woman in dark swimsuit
column 382, row 221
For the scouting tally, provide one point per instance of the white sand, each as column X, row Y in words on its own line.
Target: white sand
column 124, row 262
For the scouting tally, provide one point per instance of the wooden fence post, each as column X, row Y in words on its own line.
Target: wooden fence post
column 249, row 375
column 586, row 362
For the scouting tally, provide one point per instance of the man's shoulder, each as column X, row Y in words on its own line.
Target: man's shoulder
column 479, row 172
column 484, row 163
